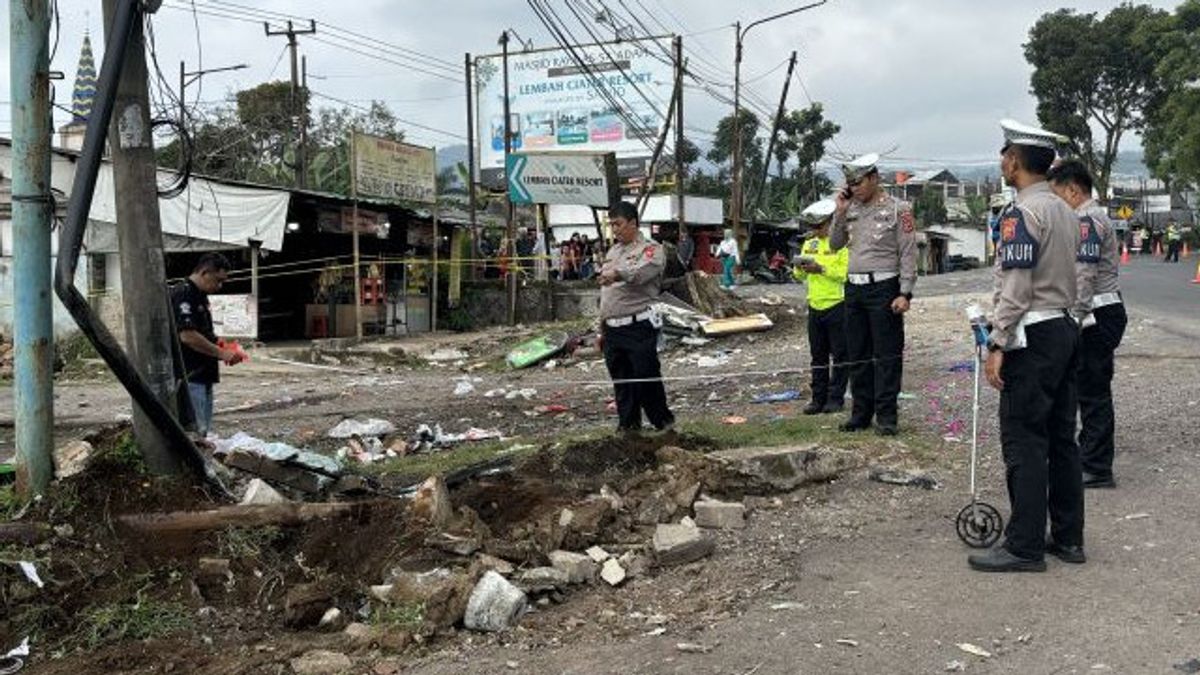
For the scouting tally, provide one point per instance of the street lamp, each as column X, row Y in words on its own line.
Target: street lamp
column 740, row 34
column 186, row 78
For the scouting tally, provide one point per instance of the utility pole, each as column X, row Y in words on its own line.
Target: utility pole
column 511, row 225
column 302, row 119
column 186, row 78
column 33, row 331
column 762, row 182
column 679, row 172
column 291, row 32
column 471, row 159
column 148, row 320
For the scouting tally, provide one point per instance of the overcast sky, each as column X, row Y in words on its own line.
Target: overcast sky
column 929, row 78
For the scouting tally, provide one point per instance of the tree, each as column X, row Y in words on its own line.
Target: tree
column 929, row 208
column 687, row 154
column 802, row 138
column 1097, row 71
column 721, row 152
column 1172, row 138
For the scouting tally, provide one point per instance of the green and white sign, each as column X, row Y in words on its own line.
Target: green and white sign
column 580, row 178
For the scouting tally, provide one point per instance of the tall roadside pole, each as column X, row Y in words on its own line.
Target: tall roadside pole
column 148, row 321
column 762, row 181
column 471, row 160
column 33, row 331
column 294, row 100
column 511, row 226
column 679, row 172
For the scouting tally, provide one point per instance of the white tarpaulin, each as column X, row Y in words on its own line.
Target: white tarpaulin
column 228, row 216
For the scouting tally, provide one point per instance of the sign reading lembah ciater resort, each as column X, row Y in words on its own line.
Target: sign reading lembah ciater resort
column 394, row 170
column 581, row 178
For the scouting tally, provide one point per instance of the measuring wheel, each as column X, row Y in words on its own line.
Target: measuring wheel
column 979, row 525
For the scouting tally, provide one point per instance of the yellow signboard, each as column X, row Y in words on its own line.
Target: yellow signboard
column 393, row 170
column 1124, row 213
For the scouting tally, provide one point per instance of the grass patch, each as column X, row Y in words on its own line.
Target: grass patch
column 10, row 503
column 126, row 454
column 238, row 543
column 822, row 429
column 143, row 619
column 447, row 461
column 408, row 616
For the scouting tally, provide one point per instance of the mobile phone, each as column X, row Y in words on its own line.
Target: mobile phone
column 847, row 193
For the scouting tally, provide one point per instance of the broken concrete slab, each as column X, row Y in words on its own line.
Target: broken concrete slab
column 494, row 604
column 597, row 554
column 258, row 491
column 431, row 503
column 781, row 469
column 680, row 544
column 634, row 564
column 718, row 515
column 580, row 568
column 453, row 543
column 907, row 477
column 322, row 662
column 612, row 573
column 291, row 476
column 72, row 458
column 543, row 579
column 499, row 565
column 441, row 593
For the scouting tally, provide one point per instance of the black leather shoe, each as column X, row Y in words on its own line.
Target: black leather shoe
column 854, row 425
column 1091, row 480
column 1067, row 554
column 813, row 408
column 999, row 559
column 833, row 407
column 886, row 430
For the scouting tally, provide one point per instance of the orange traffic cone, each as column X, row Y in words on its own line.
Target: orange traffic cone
column 1158, row 248
column 1197, row 279
column 1124, row 255
column 1186, row 252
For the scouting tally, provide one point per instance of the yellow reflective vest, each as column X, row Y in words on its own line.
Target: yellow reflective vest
column 827, row 289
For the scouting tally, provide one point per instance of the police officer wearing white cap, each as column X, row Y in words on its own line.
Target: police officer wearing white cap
column 881, row 234
column 824, row 270
column 1032, row 361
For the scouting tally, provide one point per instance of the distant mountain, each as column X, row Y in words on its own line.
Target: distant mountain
column 451, row 155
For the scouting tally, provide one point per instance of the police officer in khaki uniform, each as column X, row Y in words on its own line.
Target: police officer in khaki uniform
column 881, row 234
column 1100, row 310
column 630, row 282
column 1032, row 361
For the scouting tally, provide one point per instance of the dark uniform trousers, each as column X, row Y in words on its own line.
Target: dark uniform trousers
column 874, row 331
column 827, row 338
column 1097, row 420
column 1037, row 431
column 631, row 352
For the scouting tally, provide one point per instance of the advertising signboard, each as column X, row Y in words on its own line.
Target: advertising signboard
column 555, row 104
column 582, row 178
column 393, row 170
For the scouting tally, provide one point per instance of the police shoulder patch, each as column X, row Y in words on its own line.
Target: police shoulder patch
column 906, row 221
column 1018, row 249
column 1089, row 241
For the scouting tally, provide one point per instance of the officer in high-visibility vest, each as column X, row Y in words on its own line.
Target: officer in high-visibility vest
column 824, row 270
column 1032, row 361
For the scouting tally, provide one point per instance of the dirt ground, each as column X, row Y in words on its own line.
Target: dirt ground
column 850, row 576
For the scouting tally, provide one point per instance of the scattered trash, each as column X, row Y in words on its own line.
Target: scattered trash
column 526, row 394
column 779, row 397
column 733, row 419
column 655, row 633
column 536, row 350
column 551, row 409
column 713, row 397
column 962, row 367
column 695, row 341
column 612, row 572
column 259, row 492
column 693, row 648
column 13, row 661
column 847, row 642
column 904, row 477
column 720, row 359
column 955, row 666
column 441, row 355
column 905, row 396
column 71, row 459
column 370, row 427
column 8, row 473
column 973, row 650
column 426, row 438
column 31, row 573
column 1137, row 516
column 738, row 324
column 463, row 387
column 1191, row 666
column 780, row 606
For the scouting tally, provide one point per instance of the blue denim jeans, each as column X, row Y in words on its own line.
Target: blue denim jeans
column 202, row 403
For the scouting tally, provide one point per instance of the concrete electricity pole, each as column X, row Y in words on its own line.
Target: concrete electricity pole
column 148, row 336
column 33, row 331
column 294, row 101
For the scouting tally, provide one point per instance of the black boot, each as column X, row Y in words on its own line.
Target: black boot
column 999, row 559
column 814, row 407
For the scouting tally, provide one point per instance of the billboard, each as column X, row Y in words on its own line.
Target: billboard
column 583, row 178
column 554, row 104
column 393, row 170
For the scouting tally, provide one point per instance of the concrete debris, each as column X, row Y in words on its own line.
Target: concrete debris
column 597, row 554
column 498, row 565
column 431, row 503
column 974, row 650
column 381, row 592
column 369, row 427
column 321, row 662
column 955, row 666
column 305, row 605
column 360, row 634
column 453, row 543
column 463, row 386
column 445, row 354
column 612, row 573
column 781, row 606
column 494, row 604
column 911, row 478
column 634, row 564
column 72, row 458
column 543, row 579
column 579, row 568
column 847, row 642
column 782, row 469
column 719, row 515
column 258, row 491
column 693, row 648
column 680, row 544
column 277, row 472
column 333, row 620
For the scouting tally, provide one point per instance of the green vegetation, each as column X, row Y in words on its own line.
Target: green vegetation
column 408, row 616
column 238, row 543
column 125, row 454
column 143, row 619
column 10, row 503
